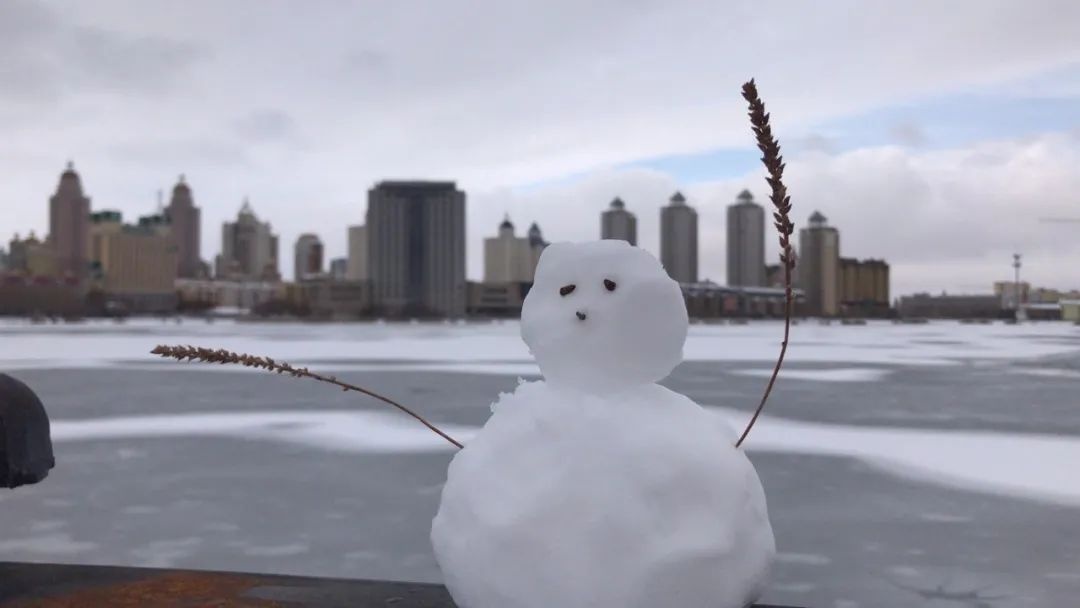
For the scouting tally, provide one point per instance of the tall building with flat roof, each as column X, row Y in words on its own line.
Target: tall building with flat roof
column 746, row 242
column 134, row 264
column 618, row 223
column 184, row 222
column 864, row 287
column 357, row 266
column 308, row 257
column 69, row 224
column 818, row 267
column 679, row 239
column 416, row 248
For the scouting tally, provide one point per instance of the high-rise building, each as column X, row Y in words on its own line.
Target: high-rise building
column 864, row 287
column 135, row 264
column 339, row 269
column 358, row 254
column 248, row 249
column 746, row 242
column 416, row 248
column 69, row 221
column 536, row 245
column 679, row 240
column 308, row 257
column 31, row 257
column 618, row 223
column 818, row 267
column 512, row 259
column 184, row 221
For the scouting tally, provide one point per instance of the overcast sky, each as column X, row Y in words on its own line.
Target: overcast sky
column 932, row 134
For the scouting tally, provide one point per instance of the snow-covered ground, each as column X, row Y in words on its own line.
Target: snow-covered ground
column 962, row 444
column 1041, row 466
column 492, row 347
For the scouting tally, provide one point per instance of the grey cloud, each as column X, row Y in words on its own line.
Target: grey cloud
column 367, row 61
column 908, row 134
column 178, row 155
column 268, row 125
column 815, row 142
column 46, row 57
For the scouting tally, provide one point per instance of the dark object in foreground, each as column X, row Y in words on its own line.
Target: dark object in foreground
column 26, row 453
column 65, row 586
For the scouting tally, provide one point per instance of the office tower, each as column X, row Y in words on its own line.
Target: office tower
column 819, row 266
column 248, row 249
column 618, row 223
column 185, row 222
column 537, row 244
column 416, row 248
column 69, row 221
column 678, row 240
column 339, row 269
column 308, row 257
column 358, row 254
column 512, row 259
column 135, row 263
column 746, row 242
column 864, row 285
column 31, row 257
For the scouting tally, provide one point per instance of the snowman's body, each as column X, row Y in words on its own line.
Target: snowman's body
column 599, row 488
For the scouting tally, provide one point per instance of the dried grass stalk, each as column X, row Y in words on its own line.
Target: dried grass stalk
column 222, row 356
column 774, row 164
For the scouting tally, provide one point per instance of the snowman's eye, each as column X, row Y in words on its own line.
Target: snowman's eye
column 609, row 284
column 566, row 290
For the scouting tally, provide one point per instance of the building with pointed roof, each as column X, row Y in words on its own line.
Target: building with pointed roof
column 616, row 222
column 69, row 225
column 184, row 221
column 249, row 250
column 509, row 258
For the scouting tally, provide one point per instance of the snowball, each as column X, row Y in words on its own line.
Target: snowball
column 603, row 314
column 634, row 498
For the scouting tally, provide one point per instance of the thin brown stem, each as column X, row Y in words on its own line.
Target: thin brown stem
column 222, row 356
column 774, row 164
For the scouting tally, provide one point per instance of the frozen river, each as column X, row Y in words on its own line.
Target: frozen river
column 933, row 465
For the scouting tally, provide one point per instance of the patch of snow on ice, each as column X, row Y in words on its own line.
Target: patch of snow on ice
column 845, row 374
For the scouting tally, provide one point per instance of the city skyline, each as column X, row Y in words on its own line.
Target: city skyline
column 182, row 202
column 637, row 101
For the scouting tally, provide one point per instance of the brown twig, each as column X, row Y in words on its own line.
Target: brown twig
column 222, row 356
column 774, row 163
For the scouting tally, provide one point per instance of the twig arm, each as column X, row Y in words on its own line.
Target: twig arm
column 774, row 163
column 222, row 356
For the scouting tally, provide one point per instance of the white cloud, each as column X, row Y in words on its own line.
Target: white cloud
column 945, row 220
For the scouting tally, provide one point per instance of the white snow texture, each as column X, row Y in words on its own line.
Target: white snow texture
column 599, row 488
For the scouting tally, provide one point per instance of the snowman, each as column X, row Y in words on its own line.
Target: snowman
column 597, row 487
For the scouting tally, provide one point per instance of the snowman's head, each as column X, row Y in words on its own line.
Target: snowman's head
column 603, row 314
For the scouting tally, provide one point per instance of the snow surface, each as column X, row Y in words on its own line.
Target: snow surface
column 603, row 314
column 341, row 346
column 1033, row 466
column 844, row 374
column 630, row 499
